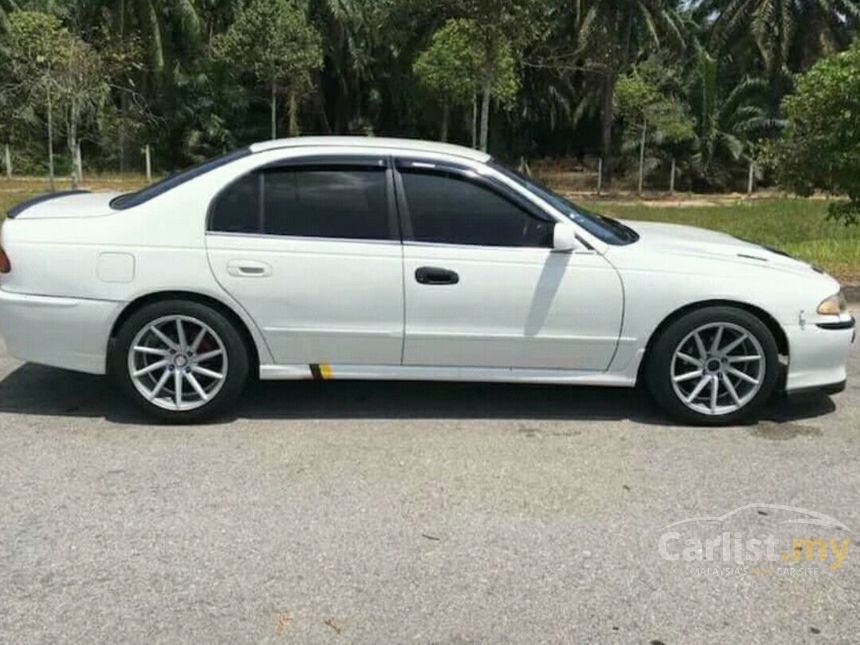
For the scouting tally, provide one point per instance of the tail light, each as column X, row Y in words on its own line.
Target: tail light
column 5, row 265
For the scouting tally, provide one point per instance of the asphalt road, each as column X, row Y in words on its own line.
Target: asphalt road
column 430, row 513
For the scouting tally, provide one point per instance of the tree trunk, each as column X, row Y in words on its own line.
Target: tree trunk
column 72, row 142
column 319, row 108
column 50, row 140
column 642, row 157
column 274, row 104
column 600, row 177
column 672, row 178
column 607, row 117
column 751, row 179
column 485, row 116
column 294, row 114
column 79, row 161
column 446, row 119
column 73, row 177
column 474, row 127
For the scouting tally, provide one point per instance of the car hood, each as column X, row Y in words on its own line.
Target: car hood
column 704, row 243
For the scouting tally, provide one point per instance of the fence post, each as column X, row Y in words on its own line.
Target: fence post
column 599, row 176
column 79, row 163
column 642, row 159
column 148, row 163
column 751, row 179
column 7, row 159
column 672, row 178
column 524, row 167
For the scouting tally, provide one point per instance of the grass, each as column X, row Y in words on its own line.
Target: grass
column 797, row 226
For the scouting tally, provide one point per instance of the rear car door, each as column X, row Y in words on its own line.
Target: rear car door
column 484, row 287
column 311, row 249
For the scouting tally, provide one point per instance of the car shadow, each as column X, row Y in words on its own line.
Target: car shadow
column 38, row 390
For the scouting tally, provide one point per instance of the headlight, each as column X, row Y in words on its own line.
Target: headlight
column 834, row 305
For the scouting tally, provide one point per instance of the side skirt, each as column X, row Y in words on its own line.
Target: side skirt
column 433, row 373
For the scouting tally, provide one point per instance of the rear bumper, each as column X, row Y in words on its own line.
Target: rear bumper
column 819, row 356
column 61, row 332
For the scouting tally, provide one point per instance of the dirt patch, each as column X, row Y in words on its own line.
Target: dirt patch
column 783, row 431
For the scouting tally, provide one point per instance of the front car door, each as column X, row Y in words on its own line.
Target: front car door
column 310, row 247
column 483, row 285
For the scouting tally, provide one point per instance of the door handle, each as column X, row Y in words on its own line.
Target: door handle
column 248, row 269
column 436, row 276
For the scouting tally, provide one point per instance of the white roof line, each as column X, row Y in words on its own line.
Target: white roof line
column 413, row 145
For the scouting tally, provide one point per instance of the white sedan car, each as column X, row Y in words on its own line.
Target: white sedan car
column 359, row 258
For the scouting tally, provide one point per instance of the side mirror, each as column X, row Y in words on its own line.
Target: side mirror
column 564, row 238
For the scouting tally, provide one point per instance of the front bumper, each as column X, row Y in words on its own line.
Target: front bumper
column 61, row 332
column 819, row 355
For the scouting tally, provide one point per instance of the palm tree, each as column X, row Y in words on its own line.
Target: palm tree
column 149, row 40
column 154, row 21
column 789, row 34
column 727, row 123
column 353, row 41
column 609, row 35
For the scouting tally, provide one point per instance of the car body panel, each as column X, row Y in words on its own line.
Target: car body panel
column 317, row 301
column 78, row 264
column 521, row 308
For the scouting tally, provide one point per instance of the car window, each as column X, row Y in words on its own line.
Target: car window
column 449, row 208
column 142, row 196
column 602, row 227
column 306, row 201
column 237, row 208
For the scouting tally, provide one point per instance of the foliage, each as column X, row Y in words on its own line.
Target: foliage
column 729, row 120
column 273, row 41
column 821, row 147
column 640, row 98
column 523, row 77
column 52, row 70
column 450, row 66
column 786, row 31
column 468, row 58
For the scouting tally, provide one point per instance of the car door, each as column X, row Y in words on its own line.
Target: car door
column 311, row 249
column 484, row 287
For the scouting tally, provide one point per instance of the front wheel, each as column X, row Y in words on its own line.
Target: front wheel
column 714, row 366
column 180, row 361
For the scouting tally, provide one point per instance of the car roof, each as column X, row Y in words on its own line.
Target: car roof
column 408, row 145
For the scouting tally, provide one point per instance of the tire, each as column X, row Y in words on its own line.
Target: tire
column 677, row 357
column 160, row 362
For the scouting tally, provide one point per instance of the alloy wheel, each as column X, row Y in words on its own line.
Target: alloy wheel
column 718, row 368
column 178, row 363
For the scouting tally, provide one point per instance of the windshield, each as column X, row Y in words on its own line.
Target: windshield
column 145, row 194
column 603, row 228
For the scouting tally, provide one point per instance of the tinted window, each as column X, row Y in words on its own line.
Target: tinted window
column 237, row 209
column 450, row 209
column 603, row 228
column 314, row 201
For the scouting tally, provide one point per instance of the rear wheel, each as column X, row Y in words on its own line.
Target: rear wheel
column 714, row 366
column 180, row 361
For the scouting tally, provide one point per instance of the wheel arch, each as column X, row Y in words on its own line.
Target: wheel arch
column 216, row 304
column 766, row 318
